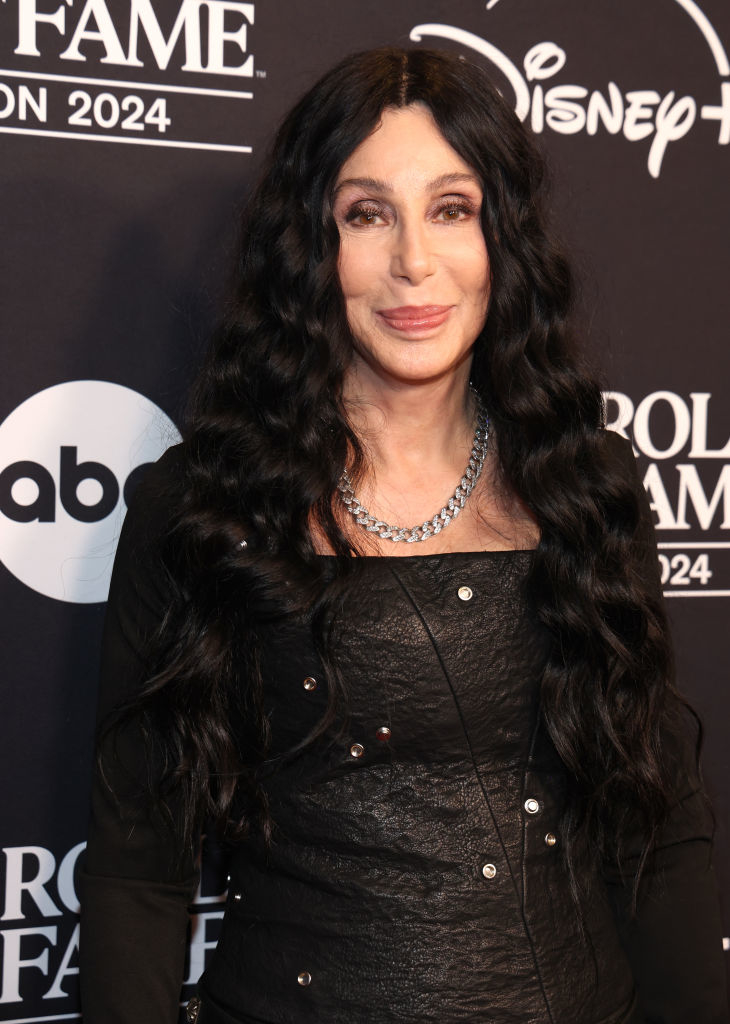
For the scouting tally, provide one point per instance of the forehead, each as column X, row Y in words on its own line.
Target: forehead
column 405, row 147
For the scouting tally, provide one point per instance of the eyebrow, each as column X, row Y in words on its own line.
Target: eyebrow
column 456, row 178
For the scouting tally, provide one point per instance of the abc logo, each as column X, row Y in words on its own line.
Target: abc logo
column 70, row 457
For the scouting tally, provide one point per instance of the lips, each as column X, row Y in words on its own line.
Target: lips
column 415, row 318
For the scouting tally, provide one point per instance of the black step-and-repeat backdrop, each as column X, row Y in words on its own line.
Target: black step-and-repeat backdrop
column 130, row 130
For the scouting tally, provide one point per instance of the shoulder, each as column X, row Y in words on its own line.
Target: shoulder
column 163, row 480
column 157, row 496
column 141, row 591
column 151, row 513
column 618, row 450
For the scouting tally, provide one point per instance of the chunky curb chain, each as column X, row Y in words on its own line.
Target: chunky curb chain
column 442, row 519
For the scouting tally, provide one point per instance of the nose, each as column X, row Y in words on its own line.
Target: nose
column 412, row 257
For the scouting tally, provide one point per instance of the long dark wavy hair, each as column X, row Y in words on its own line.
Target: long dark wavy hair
column 269, row 437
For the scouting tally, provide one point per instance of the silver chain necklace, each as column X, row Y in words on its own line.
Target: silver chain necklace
column 442, row 519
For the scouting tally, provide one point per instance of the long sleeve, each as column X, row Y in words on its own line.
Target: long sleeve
column 674, row 940
column 135, row 885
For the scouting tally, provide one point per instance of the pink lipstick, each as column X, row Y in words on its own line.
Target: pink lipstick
column 415, row 318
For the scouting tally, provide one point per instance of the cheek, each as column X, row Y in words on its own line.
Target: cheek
column 348, row 273
column 469, row 264
column 480, row 275
column 343, row 267
column 358, row 269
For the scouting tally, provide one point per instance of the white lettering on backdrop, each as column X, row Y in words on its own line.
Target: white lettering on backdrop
column 568, row 108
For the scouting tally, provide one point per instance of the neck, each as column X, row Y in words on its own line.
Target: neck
column 406, row 427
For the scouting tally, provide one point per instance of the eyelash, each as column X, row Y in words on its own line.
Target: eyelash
column 370, row 209
column 362, row 210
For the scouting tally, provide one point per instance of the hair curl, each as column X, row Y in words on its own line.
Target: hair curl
column 269, row 438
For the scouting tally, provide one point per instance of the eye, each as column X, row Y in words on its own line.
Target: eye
column 454, row 210
column 364, row 215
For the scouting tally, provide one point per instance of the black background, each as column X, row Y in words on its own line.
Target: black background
column 115, row 257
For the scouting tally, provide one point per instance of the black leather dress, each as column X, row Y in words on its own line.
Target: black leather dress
column 416, row 871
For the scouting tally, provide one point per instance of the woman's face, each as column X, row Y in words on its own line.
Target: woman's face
column 413, row 262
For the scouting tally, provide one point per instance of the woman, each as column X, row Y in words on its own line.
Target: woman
column 458, row 781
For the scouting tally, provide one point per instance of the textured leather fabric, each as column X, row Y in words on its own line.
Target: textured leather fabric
column 375, row 884
column 409, row 878
column 211, row 1013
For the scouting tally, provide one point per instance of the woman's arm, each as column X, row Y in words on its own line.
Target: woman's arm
column 674, row 940
column 136, row 883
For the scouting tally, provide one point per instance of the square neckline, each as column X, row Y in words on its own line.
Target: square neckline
column 439, row 554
